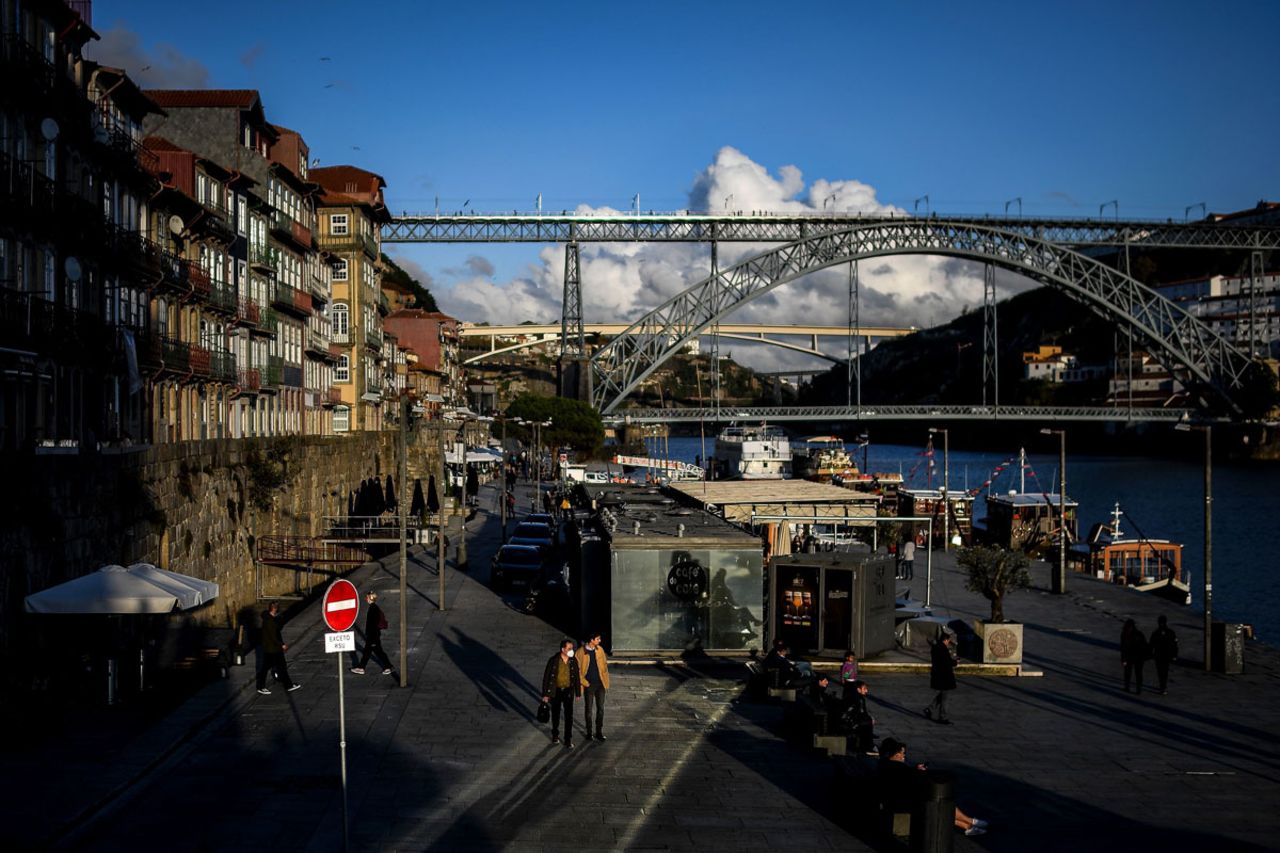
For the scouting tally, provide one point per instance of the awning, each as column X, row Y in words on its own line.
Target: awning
column 141, row 588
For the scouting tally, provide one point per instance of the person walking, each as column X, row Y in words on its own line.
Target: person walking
column 906, row 569
column 561, row 682
column 273, row 649
column 1133, row 653
column 375, row 622
column 942, row 678
column 594, row 666
column 1164, row 650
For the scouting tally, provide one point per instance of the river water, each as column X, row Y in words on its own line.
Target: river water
column 1163, row 497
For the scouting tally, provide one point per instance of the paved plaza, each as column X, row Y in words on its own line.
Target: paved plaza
column 457, row 762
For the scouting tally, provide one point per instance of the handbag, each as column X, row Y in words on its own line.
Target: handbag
column 544, row 712
column 382, row 622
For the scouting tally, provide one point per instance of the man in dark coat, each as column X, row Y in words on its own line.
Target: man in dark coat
column 273, row 649
column 1133, row 653
column 942, row 678
column 860, row 723
column 1164, row 649
column 375, row 622
column 561, row 682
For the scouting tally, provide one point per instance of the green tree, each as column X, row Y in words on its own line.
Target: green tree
column 994, row 573
column 422, row 298
column 574, row 423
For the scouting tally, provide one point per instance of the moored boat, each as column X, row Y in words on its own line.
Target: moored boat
column 752, row 453
column 1147, row 565
column 823, row 459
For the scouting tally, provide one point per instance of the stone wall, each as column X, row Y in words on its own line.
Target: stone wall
column 193, row 507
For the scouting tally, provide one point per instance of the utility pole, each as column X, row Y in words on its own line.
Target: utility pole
column 502, row 500
column 404, row 545
column 946, row 486
column 462, row 538
column 1208, row 537
column 440, row 489
column 1058, row 580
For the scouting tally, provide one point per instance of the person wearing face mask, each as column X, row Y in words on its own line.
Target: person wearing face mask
column 561, row 683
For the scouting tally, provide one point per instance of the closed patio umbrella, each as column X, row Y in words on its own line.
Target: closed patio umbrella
column 433, row 495
column 418, row 505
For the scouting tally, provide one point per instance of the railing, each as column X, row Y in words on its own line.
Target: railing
column 26, row 60
column 176, row 354
column 122, row 142
column 249, row 312
column 264, row 256
column 270, row 322
column 332, row 396
column 173, row 269
column 369, row 245
column 320, row 288
column 373, row 338
column 275, row 371
column 384, row 304
column 305, row 550
column 342, row 337
column 201, row 285
column 222, row 365
column 250, row 379
column 302, row 302
column 281, row 294
column 223, row 297
column 317, row 341
column 20, row 181
column 200, row 360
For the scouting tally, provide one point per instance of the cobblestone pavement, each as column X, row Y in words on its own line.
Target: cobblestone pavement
column 1067, row 761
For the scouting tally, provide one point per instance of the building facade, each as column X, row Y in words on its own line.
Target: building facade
column 351, row 211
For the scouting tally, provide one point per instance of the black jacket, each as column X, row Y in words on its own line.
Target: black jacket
column 1133, row 647
column 373, row 623
column 942, row 672
column 549, row 676
column 902, row 786
column 858, row 714
column 272, row 639
column 1164, row 644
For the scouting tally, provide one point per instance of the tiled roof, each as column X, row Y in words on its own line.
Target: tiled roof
column 239, row 98
column 339, row 177
column 419, row 314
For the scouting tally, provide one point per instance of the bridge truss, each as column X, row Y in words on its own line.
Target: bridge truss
column 1096, row 414
column 1207, row 362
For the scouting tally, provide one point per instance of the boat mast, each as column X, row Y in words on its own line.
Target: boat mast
column 1022, row 470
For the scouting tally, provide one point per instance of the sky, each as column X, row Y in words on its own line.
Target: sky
column 1065, row 106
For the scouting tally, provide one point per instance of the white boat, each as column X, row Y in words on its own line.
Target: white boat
column 753, row 453
column 823, row 458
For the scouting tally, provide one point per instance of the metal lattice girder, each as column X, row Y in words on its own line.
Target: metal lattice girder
column 572, row 343
column 907, row 413
column 788, row 228
column 990, row 337
column 1181, row 342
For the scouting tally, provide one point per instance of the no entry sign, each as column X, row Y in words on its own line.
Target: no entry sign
column 341, row 605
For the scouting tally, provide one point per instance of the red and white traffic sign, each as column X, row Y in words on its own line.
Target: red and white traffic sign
column 341, row 605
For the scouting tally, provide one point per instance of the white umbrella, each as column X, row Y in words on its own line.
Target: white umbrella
column 141, row 588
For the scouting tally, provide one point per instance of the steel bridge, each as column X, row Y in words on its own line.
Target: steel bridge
column 868, row 413
column 1180, row 341
column 756, row 333
column 685, row 227
column 1053, row 250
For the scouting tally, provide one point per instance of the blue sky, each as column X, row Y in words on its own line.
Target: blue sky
column 1158, row 105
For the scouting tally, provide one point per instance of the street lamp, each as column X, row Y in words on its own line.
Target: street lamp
column 1208, row 532
column 406, row 412
column 537, row 460
column 503, row 502
column 1058, row 580
column 946, row 484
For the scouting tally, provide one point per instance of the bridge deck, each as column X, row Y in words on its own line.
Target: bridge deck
column 903, row 413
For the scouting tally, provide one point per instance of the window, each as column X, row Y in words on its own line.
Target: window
column 338, row 225
column 342, row 370
column 340, row 270
column 242, row 213
column 341, row 321
column 341, row 419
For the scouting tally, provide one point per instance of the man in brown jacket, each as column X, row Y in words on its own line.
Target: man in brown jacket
column 594, row 666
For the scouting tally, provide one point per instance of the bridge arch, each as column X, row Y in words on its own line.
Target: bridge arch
column 1208, row 362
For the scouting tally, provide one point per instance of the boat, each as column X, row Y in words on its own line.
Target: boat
column 823, row 459
column 752, row 453
column 1147, row 565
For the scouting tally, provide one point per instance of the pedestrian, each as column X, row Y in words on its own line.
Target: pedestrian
column 1164, row 650
column 375, row 622
column 511, row 504
column 1133, row 653
column 594, row 665
column 906, row 569
column 561, row 682
column 858, row 719
column 942, row 678
column 273, row 649
column 849, row 670
column 903, row 787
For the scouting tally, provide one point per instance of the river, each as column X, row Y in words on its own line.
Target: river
column 1163, row 497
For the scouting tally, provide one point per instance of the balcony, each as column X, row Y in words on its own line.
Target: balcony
column 124, row 151
column 222, row 297
column 200, row 361
column 28, row 322
column 222, row 366
column 248, row 313
column 27, row 192
column 320, row 288
column 369, row 245
column 373, row 339
column 175, row 354
column 270, row 322
column 250, row 380
column 293, row 376
column 384, row 304
column 274, row 377
column 342, row 337
column 288, row 299
column 201, row 286
column 332, row 397
column 317, row 342
column 288, row 228
column 264, row 258
column 173, row 271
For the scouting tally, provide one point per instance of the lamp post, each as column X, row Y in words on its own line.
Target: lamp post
column 946, row 485
column 503, row 501
column 405, row 408
column 1058, row 580
column 440, row 555
column 537, row 460
column 1208, row 535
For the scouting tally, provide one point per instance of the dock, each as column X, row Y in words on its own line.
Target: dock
column 743, row 501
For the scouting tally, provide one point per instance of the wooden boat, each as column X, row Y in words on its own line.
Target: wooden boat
column 1147, row 565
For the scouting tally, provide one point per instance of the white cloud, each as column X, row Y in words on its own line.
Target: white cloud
column 161, row 67
column 621, row 281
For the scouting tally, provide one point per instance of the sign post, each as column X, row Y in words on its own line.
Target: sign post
column 341, row 608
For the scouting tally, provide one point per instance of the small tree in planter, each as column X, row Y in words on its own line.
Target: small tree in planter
column 994, row 573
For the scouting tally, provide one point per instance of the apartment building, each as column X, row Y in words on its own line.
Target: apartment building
column 351, row 211
column 433, row 338
column 73, row 193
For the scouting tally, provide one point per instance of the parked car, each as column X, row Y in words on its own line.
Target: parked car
column 541, row 518
column 517, row 564
column 533, row 533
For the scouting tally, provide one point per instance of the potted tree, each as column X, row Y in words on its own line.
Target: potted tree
column 995, row 572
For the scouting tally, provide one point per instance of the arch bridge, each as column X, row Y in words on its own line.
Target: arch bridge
column 1211, row 367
